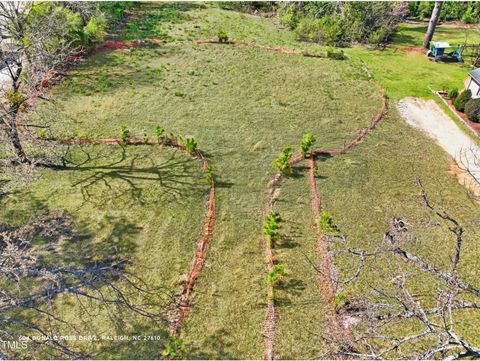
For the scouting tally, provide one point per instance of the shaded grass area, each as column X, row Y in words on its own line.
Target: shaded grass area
column 145, row 205
column 243, row 106
column 413, row 34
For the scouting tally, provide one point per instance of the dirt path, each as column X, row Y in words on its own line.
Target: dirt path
column 429, row 118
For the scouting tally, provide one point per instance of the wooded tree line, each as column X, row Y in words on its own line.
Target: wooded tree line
column 341, row 23
column 466, row 11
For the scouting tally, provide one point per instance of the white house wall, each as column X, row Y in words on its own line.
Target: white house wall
column 474, row 88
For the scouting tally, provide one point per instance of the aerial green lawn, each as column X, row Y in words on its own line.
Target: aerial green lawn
column 242, row 105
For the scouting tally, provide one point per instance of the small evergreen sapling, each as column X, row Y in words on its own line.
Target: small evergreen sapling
column 326, row 223
column 272, row 226
column 282, row 162
column 172, row 347
column 124, row 135
column 191, row 145
column 158, row 133
column 222, row 36
column 210, row 175
column 307, row 144
column 276, row 274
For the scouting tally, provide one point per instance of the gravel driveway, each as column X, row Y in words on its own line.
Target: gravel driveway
column 428, row 117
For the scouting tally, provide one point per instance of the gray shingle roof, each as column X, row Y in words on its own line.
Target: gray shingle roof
column 475, row 74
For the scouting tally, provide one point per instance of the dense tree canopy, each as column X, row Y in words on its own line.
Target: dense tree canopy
column 35, row 37
column 340, row 23
column 466, row 11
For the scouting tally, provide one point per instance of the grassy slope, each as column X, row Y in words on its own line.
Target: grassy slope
column 243, row 105
column 242, row 115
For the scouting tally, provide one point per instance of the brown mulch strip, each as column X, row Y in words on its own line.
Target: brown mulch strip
column 414, row 50
column 326, row 275
column 203, row 246
column 270, row 321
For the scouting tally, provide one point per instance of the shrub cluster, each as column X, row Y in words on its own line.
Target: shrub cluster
column 341, row 23
column 337, row 55
column 272, row 226
column 472, row 110
column 249, row 6
column 462, row 99
column 282, row 162
column 453, row 94
column 466, row 11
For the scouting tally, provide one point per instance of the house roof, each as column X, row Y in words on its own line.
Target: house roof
column 475, row 74
column 441, row 44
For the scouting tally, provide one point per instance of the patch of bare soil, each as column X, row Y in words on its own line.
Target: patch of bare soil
column 414, row 50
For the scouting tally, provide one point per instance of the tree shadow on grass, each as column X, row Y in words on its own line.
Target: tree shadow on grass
column 293, row 286
column 219, row 345
column 288, row 242
column 151, row 16
column 142, row 342
column 297, row 172
column 404, row 39
column 70, row 272
column 133, row 176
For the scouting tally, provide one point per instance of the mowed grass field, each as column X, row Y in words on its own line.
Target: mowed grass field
column 243, row 106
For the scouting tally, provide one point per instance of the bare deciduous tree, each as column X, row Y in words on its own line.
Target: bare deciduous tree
column 398, row 323
column 33, row 44
column 34, row 276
